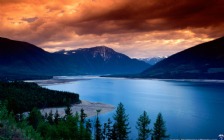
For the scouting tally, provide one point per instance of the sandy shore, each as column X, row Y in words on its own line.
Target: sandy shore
column 89, row 108
column 53, row 81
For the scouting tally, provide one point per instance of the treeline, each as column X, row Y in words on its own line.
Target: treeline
column 76, row 127
column 22, row 96
column 5, row 77
column 119, row 129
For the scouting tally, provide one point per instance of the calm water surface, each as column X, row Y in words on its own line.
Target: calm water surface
column 190, row 109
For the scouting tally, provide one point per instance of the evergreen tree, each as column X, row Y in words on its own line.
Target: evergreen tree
column 121, row 123
column 98, row 133
column 104, row 133
column 45, row 116
column 159, row 131
column 72, row 124
column 34, row 118
column 68, row 110
column 50, row 118
column 82, row 130
column 113, row 132
column 143, row 126
column 56, row 117
column 82, row 115
column 85, row 130
column 88, row 126
column 107, row 130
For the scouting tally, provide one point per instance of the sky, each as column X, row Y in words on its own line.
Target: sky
column 137, row 28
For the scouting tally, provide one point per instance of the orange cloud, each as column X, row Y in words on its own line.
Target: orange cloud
column 138, row 28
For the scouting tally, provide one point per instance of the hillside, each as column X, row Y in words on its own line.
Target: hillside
column 203, row 61
column 104, row 60
column 21, row 59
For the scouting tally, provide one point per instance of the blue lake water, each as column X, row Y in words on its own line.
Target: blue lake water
column 190, row 109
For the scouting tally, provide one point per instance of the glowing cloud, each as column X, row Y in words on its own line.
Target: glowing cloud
column 140, row 28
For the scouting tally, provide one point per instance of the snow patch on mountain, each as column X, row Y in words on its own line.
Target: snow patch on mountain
column 153, row 60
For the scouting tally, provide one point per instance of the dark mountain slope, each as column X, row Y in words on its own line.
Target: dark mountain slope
column 18, row 57
column 204, row 61
column 22, row 59
column 104, row 60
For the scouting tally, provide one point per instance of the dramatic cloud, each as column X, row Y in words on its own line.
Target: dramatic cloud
column 138, row 28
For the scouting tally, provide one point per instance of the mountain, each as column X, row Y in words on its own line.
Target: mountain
column 204, row 61
column 22, row 59
column 104, row 60
column 153, row 60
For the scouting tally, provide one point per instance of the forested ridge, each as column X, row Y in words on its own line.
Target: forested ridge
column 22, row 96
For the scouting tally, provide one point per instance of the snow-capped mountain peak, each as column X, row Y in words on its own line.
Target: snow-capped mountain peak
column 153, row 60
column 102, row 52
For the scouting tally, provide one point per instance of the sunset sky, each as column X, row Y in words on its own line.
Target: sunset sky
column 138, row 28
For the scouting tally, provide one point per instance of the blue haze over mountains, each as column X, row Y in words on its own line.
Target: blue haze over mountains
column 22, row 58
column 153, row 60
column 203, row 61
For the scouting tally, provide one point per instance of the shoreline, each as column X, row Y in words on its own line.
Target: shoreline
column 61, row 80
column 89, row 108
column 194, row 80
column 54, row 81
column 161, row 79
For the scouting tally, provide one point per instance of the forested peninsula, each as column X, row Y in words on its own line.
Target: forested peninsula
column 23, row 97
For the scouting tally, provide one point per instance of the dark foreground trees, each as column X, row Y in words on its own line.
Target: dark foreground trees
column 10, row 129
column 121, row 124
column 98, row 133
column 53, row 126
column 143, row 126
column 159, row 130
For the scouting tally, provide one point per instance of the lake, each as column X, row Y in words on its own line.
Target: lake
column 191, row 109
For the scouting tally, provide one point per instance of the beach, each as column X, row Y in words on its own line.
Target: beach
column 89, row 108
column 54, row 81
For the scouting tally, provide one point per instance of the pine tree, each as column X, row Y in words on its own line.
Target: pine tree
column 56, row 117
column 45, row 116
column 108, row 130
column 159, row 131
column 82, row 115
column 50, row 118
column 68, row 110
column 98, row 133
column 121, row 123
column 104, row 133
column 88, row 126
column 113, row 133
column 35, row 118
column 143, row 126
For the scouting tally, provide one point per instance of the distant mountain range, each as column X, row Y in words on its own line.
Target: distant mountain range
column 204, row 61
column 104, row 60
column 22, row 58
column 153, row 60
